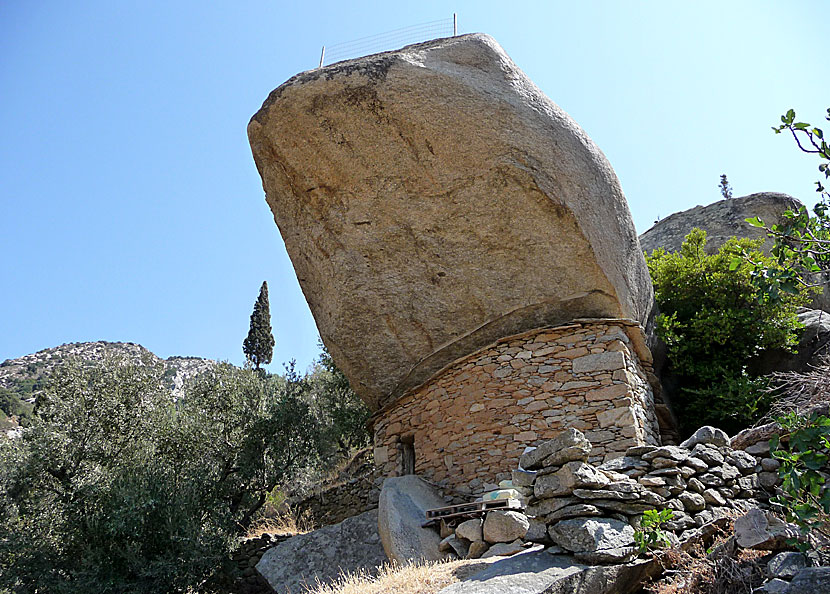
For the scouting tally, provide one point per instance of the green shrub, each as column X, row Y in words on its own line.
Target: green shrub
column 116, row 488
column 714, row 326
column 804, row 495
column 650, row 535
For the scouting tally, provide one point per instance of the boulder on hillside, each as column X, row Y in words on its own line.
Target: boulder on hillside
column 725, row 219
column 353, row 545
column 402, row 508
column 433, row 200
column 721, row 220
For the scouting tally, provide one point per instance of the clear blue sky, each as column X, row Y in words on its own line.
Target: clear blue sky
column 130, row 207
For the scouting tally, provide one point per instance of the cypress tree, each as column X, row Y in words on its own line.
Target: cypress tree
column 259, row 345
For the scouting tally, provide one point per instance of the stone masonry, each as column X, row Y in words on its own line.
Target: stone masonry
column 471, row 422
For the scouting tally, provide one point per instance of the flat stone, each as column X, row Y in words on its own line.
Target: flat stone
column 544, row 507
column 810, row 580
column 618, row 555
column 504, row 526
column 675, row 453
column 568, row 446
column 758, row 530
column 706, row 435
column 503, row 549
column 573, row 475
column 351, row 546
column 401, row 511
column 608, row 361
column 624, row 507
column 418, row 243
column 574, row 511
column 538, row 572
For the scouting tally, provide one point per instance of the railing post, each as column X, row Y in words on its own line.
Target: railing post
column 322, row 56
column 454, row 24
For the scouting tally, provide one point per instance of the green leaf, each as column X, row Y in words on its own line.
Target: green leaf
column 755, row 222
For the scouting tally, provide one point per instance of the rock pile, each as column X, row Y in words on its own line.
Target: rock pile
column 591, row 511
column 250, row 551
column 498, row 534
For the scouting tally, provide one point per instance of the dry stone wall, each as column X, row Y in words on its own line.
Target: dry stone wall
column 468, row 426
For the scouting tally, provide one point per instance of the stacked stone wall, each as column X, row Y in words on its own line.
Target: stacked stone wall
column 335, row 504
column 470, row 423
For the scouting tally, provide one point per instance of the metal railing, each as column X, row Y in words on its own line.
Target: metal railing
column 389, row 40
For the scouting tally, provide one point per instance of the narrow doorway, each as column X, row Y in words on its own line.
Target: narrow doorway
column 408, row 454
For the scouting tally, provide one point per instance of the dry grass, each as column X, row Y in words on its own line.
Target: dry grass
column 421, row 578
column 287, row 523
column 720, row 569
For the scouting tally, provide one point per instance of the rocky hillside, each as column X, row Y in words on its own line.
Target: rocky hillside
column 21, row 379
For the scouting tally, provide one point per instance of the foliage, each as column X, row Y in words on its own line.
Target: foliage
column 258, row 346
column 803, row 494
column 116, row 488
column 343, row 414
column 12, row 406
column 650, row 535
column 714, row 327
column 802, row 242
column 725, row 188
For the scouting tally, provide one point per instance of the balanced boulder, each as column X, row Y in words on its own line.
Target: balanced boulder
column 433, row 200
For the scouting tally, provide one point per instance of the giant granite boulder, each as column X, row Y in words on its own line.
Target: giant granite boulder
column 432, row 200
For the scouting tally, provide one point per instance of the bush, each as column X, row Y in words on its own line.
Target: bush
column 804, row 459
column 714, row 326
column 116, row 488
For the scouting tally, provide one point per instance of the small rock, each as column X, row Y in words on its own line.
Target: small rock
column 537, row 532
column 706, row 435
column 758, row 449
column 712, row 497
column 505, row 526
column 692, row 502
column 696, row 486
column 744, row 462
column 696, row 463
column 786, row 565
column 477, row 549
column 638, row 451
column 504, row 549
column 470, row 529
column 708, row 454
column 768, row 480
column 770, row 465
